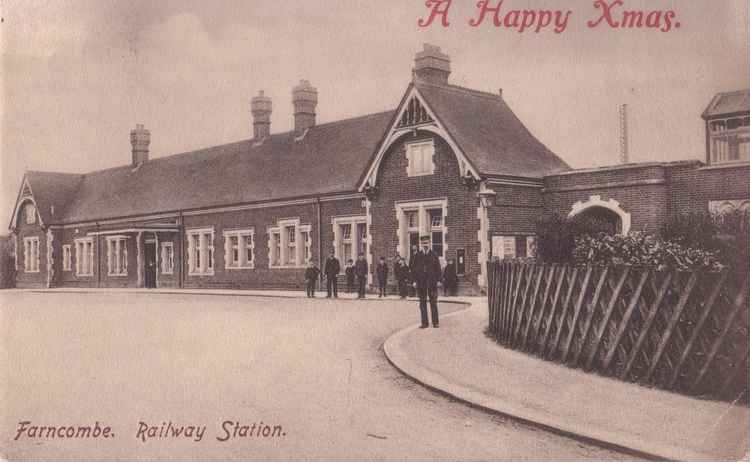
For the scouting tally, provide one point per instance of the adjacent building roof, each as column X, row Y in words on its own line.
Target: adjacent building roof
column 728, row 103
column 489, row 133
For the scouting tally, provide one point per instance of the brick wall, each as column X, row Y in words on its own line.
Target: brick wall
column 515, row 211
column 641, row 190
column 260, row 219
column 691, row 188
column 395, row 185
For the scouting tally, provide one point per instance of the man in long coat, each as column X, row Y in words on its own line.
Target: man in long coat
column 425, row 272
column 332, row 270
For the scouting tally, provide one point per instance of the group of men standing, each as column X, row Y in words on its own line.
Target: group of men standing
column 424, row 271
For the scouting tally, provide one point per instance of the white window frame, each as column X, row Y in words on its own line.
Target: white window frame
column 201, row 252
column 117, row 256
column 167, row 258
column 67, row 257
column 424, row 225
column 84, row 256
column 242, row 247
column 418, row 155
column 278, row 239
column 31, row 254
column 29, row 211
column 354, row 238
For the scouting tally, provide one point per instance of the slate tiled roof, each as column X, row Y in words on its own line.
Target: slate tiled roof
column 727, row 103
column 328, row 159
column 52, row 192
column 489, row 133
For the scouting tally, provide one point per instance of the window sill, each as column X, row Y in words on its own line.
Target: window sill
column 31, row 272
column 211, row 273
column 85, row 275
column 117, row 275
column 166, row 273
column 287, row 267
column 235, row 268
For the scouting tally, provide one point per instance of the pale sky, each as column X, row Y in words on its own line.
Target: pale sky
column 78, row 75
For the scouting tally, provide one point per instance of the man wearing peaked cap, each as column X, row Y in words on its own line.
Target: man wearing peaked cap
column 425, row 270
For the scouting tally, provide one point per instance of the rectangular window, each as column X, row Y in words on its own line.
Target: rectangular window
column 436, row 230
column 239, row 249
column 117, row 256
column 412, row 219
column 289, row 244
column 67, row 258
column 84, row 256
column 349, row 237
column 345, row 241
column 362, row 238
column 307, row 254
column 167, row 258
column 30, row 211
column 200, row 251
column 420, row 158
column 31, row 254
column 275, row 249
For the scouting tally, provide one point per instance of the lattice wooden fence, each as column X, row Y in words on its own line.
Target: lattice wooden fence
column 681, row 331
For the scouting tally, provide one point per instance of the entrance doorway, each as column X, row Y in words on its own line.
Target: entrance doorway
column 149, row 253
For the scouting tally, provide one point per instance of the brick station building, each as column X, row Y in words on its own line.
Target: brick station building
column 449, row 162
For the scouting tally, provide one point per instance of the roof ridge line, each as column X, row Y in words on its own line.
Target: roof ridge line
column 462, row 89
column 244, row 140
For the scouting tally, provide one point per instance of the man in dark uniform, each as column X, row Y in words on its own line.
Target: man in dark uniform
column 425, row 272
column 332, row 270
column 360, row 270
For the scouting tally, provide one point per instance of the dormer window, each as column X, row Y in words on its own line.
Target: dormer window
column 729, row 140
column 419, row 157
column 30, row 213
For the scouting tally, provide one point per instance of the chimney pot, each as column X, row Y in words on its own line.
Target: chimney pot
column 305, row 100
column 261, row 108
column 140, row 138
column 432, row 65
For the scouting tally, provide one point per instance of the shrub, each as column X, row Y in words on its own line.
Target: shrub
column 639, row 249
column 727, row 235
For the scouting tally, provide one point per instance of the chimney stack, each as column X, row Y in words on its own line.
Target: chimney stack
column 431, row 65
column 261, row 108
column 304, row 98
column 140, row 138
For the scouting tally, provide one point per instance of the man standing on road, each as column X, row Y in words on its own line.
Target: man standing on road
column 360, row 270
column 332, row 270
column 425, row 271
